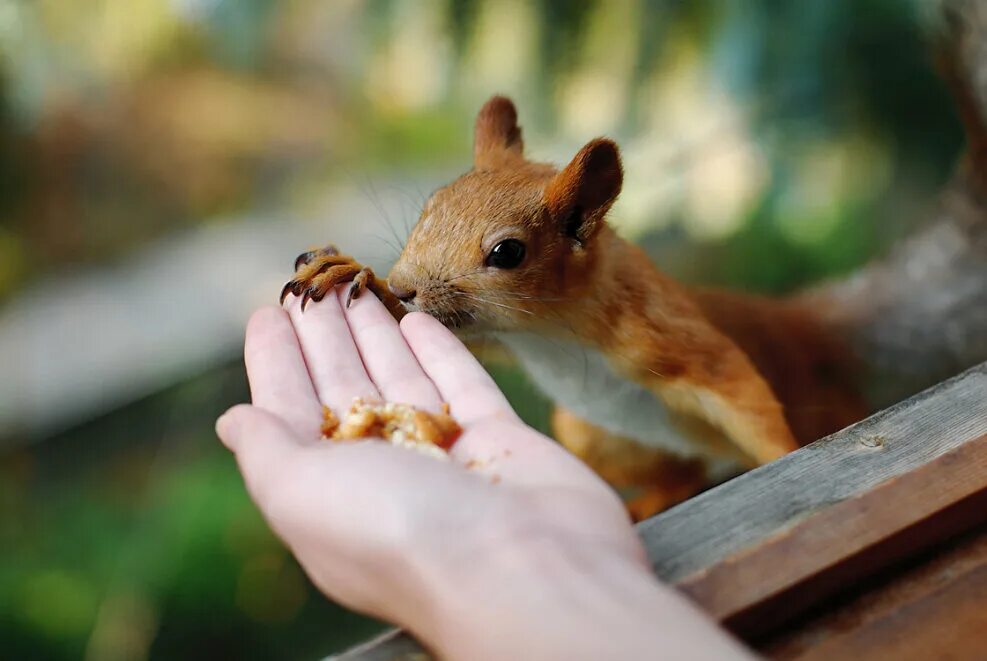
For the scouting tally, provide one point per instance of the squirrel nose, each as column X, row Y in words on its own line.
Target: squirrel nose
column 403, row 295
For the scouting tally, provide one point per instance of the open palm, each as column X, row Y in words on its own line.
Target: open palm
column 380, row 528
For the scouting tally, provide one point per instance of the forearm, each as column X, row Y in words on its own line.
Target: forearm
column 549, row 600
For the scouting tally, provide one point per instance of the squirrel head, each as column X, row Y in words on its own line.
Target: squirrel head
column 506, row 243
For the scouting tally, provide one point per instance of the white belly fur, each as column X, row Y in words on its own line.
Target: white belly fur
column 582, row 380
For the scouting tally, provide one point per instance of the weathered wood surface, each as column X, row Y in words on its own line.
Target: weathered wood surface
column 393, row 645
column 698, row 543
column 768, row 500
column 766, row 585
column 931, row 610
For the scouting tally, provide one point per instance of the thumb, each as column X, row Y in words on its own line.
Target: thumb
column 243, row 422
column 262, row 442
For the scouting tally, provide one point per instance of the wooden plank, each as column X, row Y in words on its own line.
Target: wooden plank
column 758, row 515
column 931, row 610
column 393, row 645
column 764, row 502
column 761, row 587
column 949, row 624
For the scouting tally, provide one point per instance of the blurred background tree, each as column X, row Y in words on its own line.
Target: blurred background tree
column 767, row 145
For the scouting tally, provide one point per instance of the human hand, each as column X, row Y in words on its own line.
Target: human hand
column 392, row 532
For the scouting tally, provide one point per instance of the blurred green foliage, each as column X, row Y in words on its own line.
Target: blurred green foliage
column 768, row 144
column 118, row 545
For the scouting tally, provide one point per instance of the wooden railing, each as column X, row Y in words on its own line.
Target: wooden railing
column 761, row 551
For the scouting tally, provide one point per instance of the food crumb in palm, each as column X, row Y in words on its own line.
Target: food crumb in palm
column 330, row 423
column 400, row 424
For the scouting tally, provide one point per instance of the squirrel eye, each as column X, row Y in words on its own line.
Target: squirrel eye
column 507, row 254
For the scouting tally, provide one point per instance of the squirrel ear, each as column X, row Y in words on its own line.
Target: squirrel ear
column 497, row 137
column 579, row 197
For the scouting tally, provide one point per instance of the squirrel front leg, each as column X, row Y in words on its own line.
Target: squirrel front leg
column 753, row 423
column 727, row 393
column 367, row 279
column 317, row 272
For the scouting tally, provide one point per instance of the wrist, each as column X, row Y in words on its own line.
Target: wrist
column 529, row 591
column 487, row 607
column 550, row 594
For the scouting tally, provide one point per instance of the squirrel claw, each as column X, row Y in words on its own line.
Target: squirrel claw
column 290, row 288
column 306, row 257
column 358, row 285
column 312, row 293
column 353, row 293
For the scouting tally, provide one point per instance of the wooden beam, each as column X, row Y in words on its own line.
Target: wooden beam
column 947, row 624
column 392, row 645
column 763, row 502
column 932, row 609
column 775, row 579
column 778, row 539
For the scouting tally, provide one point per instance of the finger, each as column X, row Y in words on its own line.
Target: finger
column 461, row 380
column 305, row 489
column 389, row 361
column 279, row 380
column 263, row 444
column 332, row 358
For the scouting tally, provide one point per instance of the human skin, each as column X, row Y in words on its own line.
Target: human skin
column 511, row 549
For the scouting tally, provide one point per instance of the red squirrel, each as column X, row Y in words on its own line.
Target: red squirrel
column 660, row 387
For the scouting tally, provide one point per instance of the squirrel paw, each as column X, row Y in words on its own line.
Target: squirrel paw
column 317, row 272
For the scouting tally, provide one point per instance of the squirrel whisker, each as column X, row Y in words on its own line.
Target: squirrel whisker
column 489, row 302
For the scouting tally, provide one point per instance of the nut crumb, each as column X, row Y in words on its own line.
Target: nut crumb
column 400, row 424
column 330, row 423
column 479, row 464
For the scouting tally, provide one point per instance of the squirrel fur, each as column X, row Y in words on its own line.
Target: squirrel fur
column 661, row 387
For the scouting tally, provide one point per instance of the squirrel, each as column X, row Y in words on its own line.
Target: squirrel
column 660, row 387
